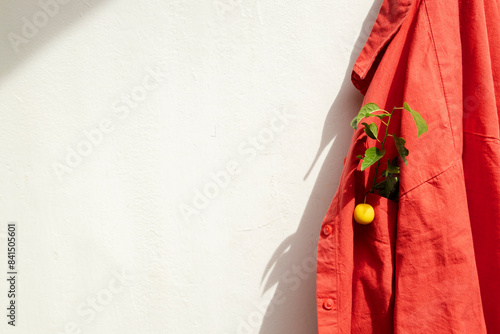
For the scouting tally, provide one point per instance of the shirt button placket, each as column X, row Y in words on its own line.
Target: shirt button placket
column 327, row 231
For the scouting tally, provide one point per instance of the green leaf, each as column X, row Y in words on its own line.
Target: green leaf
column 390, row 185
column 419, row 121
column 359, row 156
column 392, row 167
column 372, row 155
column 364, row 112
column 370, row 107
column 400, row 146
column 380, row 185
column 371, row 130
column 381, row 115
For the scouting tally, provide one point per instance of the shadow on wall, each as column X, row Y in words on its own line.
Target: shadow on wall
column 27, row 25
column 292, row 309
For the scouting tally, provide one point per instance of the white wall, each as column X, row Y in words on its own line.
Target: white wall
column 204, row 82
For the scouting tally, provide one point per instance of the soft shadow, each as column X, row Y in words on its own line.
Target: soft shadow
column 292, row 309
column 27, row 25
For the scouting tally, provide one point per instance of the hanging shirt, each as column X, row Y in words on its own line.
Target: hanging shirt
column 429, row 263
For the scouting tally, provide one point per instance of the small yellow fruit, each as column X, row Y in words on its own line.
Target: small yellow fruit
column 364, row 213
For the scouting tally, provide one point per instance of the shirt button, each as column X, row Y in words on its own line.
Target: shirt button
column 327, row 230
column 328, row 304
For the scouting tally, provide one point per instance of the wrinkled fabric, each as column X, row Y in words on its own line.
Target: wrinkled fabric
column 429, row 263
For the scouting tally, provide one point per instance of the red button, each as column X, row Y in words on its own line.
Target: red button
column 328, row 304
column 327, row 230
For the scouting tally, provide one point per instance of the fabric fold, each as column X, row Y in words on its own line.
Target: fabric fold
column 429, row 263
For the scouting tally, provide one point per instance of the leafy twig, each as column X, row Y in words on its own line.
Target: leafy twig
column 389, row 186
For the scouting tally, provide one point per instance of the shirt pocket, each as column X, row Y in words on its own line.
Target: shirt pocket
column 373, row 271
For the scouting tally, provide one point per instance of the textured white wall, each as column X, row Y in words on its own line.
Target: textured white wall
column 168, row 163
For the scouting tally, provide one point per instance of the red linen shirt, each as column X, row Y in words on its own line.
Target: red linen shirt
column 429, row 263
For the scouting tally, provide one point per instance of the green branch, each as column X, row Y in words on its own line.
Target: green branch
column 388, row 186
